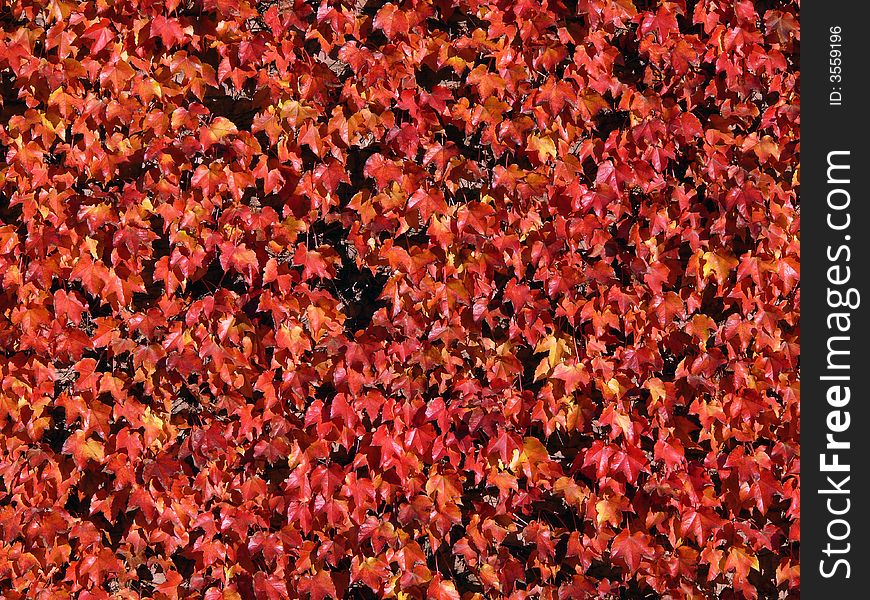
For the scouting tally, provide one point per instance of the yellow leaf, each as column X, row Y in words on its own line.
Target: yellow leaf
column 623, row 421
column 719, row 264
column 656, row 389
column 608, row 512
column 765, row 148
column 516, row 460
column 542, row 370
column 91, row 245
column 555, row 347
column 222, row 127
column 613, row 386
column 84, row 449
column 153, row 428
column 534, row 451
column 93, row 449
column 544, row 146
column 573, row 493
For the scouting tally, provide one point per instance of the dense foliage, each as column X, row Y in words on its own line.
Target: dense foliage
column 417, row 299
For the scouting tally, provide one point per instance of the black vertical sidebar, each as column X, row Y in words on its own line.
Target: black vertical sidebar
column 835, row 298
